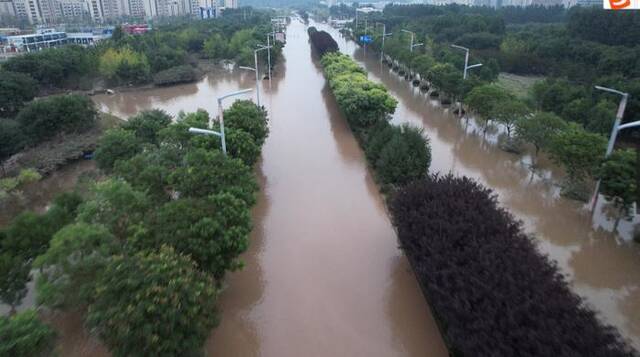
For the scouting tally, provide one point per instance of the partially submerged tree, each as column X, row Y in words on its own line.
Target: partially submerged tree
column 580, row 153
column 539, row 129
column 618, row 175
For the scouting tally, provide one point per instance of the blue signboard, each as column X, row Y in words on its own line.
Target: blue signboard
column 366, row 39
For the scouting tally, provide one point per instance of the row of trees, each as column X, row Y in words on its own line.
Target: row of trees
column 132, row 59
column 396, row 154
column 566, row 120
column 491, row 290
column 144, row 252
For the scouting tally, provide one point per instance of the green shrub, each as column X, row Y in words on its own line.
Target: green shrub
column 116, row 144
column 175, row 75
column 76, row 256
column 146, row 125
column 154, row 304
column 245, row 115
column 25, row 335
column 45, row 118
column 12, row 138
column 377, row 139
column 405, row 158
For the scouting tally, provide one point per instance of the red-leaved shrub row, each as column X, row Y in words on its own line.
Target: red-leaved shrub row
column 491, row 290
column 322, row 41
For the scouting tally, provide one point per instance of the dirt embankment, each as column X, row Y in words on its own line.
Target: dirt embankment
column 64, row 148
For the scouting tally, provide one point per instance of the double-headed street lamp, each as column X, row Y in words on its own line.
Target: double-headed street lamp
column 466, row 69
column 255, row 69
column 466, row 60
column 413, row 35
column 614, row 131
column 220, row 133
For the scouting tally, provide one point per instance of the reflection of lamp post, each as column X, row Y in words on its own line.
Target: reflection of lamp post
column 219, row 134
column 614, row 131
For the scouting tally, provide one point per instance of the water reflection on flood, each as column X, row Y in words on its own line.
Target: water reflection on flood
column 604, row 268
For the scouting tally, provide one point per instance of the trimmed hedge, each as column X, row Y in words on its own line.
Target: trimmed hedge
column 492, row 291
column 322, row 41
column 396, row 154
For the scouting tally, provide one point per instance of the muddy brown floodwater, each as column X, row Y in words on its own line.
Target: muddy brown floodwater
column 604, row 268
column 323, row 274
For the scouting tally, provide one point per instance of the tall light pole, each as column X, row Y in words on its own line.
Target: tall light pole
column 220, row 133
column 413, row 35
column 255, row 69
column 614, row 131
column 384, row 34
column 466, row 69
column 466, row 60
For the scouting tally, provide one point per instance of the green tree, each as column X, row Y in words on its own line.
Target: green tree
column 213, row 231
column 14, row 276
column 206, row 173
column 149, row 171
column 71, row 265
column 405, row 158
column 446, row 78
column 12, row 138
column 117, row 206
column 146, row 124
column 124, row 64
column 539, row 129
column 29, row 234
column 115, row 145
column 44, row 118
column 25, row 335
column 509, row 112
column 486, row 99
column 580, row 153
column 618, row 180
column 216, row 47
column 154, row 303
column 15, row 90
column 247, row 116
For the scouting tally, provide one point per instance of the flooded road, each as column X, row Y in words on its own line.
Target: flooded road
column 604, row 268
column 323, row 275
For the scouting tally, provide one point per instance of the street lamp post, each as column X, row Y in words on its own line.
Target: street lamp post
column 411, row 46
column 384, row 34
column 466, row 69
column 255, row 69
column 614, row 131
column 220, row 133
column 466, row 60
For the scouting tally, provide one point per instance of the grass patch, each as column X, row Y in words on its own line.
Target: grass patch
column 518, row 85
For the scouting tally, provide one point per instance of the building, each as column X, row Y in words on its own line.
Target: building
column 37, row 41
column 73, row 9
column 6, row 9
